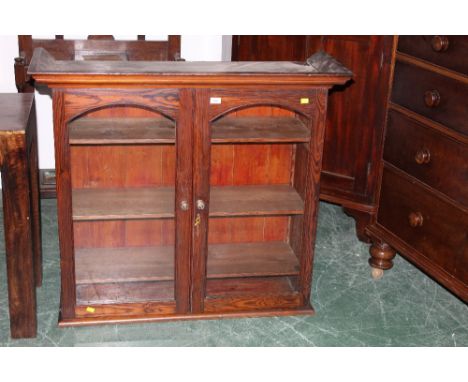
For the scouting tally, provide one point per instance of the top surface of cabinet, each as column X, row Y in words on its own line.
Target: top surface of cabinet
column 319, row 69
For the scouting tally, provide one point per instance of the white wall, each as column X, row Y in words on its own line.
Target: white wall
column 193, row 48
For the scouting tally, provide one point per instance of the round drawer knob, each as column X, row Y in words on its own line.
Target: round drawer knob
column 422, row 156
column 431, row 98
column 415, row 219
column 184, row 206
column 439, row 43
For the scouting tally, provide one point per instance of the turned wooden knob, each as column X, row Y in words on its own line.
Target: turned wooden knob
column 415, row 219
column 431, row 98
column 422, row 156
column 439, row 43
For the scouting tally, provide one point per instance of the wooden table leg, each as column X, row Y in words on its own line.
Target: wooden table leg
column 18, row 234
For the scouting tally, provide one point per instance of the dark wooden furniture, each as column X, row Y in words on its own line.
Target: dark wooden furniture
column 356, row 118
column 186, row 190
column 423, row 209
column 21, row 209
column 96, row 47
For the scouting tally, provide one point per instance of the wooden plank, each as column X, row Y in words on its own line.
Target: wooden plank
column 123, row 203
column 259, row 129
column 255, row 200
column 136, row 264
column 155, row 203
column 115, row 293
column 249, row 286
column 253, row 303
column 98, row 131
column 125, row 264
column 251, row 259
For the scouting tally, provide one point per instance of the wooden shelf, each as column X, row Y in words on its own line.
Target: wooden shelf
column 137, row 264
column 125, row 292
column 251, row 259
column 105, row 131
column 123, row 203
column 255, row 200
column 259, row 129
column 121, row 265
column 158, row 202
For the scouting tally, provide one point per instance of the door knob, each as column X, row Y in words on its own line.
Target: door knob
column 200, row 204
column 184, row 206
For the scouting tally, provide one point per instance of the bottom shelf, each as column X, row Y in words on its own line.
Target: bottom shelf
column 138, row 274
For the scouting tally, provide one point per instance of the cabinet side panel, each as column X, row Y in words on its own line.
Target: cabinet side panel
column 64, row 207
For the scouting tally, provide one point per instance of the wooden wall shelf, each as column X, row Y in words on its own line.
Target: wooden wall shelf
column 211, row 210
column 158, row 203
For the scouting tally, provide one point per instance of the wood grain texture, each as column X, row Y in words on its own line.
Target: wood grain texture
column 158, row 203
column 312, row 191
column 80, row 102
column 422, row 212
column 453, row 58
column 410, row 85
column 127, row 264
column 126, row 309
column 252, row 303
column 446, row 156
column 248, row 286
column 18, row 234
column 118, row 293
column 355, row 126
column 64, row 207
column 201, row 191
column 124, row 265
column 123, row 166
column 238, row 227
column 94, row 131
column 184, row 191
column 33, row 161
column 259, row 129
column 443, row 234
column 155, row 317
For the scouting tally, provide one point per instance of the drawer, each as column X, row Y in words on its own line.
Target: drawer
column 450, row 52
column 432, row 226
column 416, row 88
column 427, row 155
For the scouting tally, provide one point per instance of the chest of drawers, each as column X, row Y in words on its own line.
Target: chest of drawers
column 423, row 208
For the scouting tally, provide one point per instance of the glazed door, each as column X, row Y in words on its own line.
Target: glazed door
column 254, row 199
column 129, row 210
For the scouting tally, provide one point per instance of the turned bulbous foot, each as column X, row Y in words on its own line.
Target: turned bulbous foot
column 381, row 258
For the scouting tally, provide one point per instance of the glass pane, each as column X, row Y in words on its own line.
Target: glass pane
column 123, row 179
column 256, row 203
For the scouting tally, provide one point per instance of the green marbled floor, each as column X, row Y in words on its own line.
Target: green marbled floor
column 405, row 308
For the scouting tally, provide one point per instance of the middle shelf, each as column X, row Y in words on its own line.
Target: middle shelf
column 158, row 202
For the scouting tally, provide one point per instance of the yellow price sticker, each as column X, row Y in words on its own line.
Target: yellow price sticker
column 90, row 309
column 304, row 101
